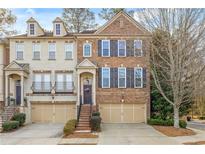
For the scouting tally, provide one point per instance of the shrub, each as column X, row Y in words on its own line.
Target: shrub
column 95, row 122
column 168, row 122
column 21, row 117
column 96, row 114
column 69, row 127
column 182, row 123
column 10, row 125
column 202, row 118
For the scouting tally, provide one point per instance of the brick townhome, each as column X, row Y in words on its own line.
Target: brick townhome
column 52, row 74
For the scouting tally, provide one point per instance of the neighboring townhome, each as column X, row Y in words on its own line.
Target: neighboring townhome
column 4, row 58
column 41, row 79
column 114, row 70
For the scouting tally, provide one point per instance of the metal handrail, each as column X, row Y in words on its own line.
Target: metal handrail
column 64, row 86
column 79, row 110
column 44, row 86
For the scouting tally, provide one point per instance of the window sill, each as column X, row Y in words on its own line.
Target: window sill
column 36, row 59
column 69, row 59
column 51, row 59
column 19, row 59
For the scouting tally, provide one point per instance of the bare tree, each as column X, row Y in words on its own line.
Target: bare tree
column 175, row 53
column 79, row 19
column 6, row 20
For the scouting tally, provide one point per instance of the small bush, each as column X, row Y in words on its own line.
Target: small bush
column 10, row 125
column 202, row 118
column 96, row 114
column 21, row 117
column 182, row 123
column 69, row 127
column 95, row 123
column 168, row 122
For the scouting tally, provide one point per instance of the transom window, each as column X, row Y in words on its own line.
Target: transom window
column 42, row 82
column 64, row 82
column 122, row 77
column 69, row 51
column 121, row 48
column 52, row 51
column 87, row 50
column 31, row 29
column 19, row 51
column 105, row 48
column 138, row 48
column 138, row 76
column 36, row 51
column 105, row 77
column 58, row 30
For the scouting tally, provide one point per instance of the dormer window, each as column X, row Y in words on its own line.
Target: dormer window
column 31, row 29
column 58, row 31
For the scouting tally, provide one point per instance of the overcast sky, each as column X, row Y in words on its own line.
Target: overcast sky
column 44, row 16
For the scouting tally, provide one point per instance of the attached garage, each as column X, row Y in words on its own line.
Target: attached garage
column 52, row 112
column 123, row 113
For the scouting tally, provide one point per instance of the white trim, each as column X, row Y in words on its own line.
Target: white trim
column 125, row 54
column 119, row 77
column 39, row 50
column 102, row 76
column 56, row 29
column 90, row 49
column 102, row 48
column 135, row 48
column 16, row 51
column 34, row 29
column 141, row 77
column 72, row 44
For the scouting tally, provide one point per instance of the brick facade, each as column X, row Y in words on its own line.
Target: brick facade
column 116, row 95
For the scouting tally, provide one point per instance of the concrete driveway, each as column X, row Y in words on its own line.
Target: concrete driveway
column 132, row 134
column 34, row 134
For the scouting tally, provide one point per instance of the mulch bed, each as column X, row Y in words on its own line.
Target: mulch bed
column 174, row 132
column 195, row 143
column 81, row 135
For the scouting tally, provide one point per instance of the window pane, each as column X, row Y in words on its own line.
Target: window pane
column 122, row 47
column 105, row 47
column 87, row 49
column 19, row 55
column 57, row 29
column 122, row 77
column 52, row 47
column 37, row 81
column 47, row 84
column 51, row 55
column 31, row 29
column 138, row 77
column 106, row 77
column 36, row 55
column 122, row 82
column 69, row 55
column 138, row 44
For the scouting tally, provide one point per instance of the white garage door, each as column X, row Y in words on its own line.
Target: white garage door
column 123, row 113
column 52, row 113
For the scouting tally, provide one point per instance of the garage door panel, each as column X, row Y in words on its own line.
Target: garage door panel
column 122, row 113
column 105, row 112
column 128, row 113
column 53, row 113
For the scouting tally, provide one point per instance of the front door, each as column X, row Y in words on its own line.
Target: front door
column 87, row 89
column 18, row 93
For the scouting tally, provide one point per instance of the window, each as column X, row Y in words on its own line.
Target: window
column 106, row 48
column 58, row 30
column 121, row 48
column 31, row 29
column 105, row 77
column 87, row 50
column 36, row 51
column 138, row 48
column 138, row 77
column 69, row 51
column 19, row 51
column 42, row 82
column 122, row 77
column 52, row 51
column 64, row 82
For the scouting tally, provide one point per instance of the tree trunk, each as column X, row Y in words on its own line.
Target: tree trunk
column 176, row 116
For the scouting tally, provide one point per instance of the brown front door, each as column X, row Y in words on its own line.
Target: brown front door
column 87, row 89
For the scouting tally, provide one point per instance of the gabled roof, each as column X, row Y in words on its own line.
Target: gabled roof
column 31, row 19
column 17, row 66
column 58, row 19
column 131, row 19
column 86, row 64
